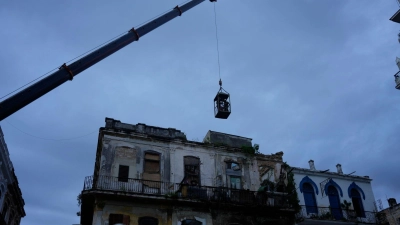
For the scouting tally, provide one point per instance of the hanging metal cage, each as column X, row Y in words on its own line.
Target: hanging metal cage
column 222, row 104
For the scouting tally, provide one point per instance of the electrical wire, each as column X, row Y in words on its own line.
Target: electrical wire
column 86, row 53
column 49, row 139
column 216, row 36
column 28, row 83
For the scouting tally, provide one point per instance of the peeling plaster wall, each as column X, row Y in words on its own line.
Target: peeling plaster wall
column 130, row 152
column 228, row 139
column 207, row 163
column 213, row 166
column 213, row 161
column 246, row 165
column 269, row 168
column 126, row 144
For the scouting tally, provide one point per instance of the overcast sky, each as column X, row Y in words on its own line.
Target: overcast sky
column 311, row 78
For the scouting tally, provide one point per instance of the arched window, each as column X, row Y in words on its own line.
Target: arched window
column 148, row 221
column 309, row 198
column 357, row 202
column 334, row 202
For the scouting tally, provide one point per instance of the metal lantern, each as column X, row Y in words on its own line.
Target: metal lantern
column 222, row 103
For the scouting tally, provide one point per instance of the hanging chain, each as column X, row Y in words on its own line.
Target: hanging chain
column 216, row 37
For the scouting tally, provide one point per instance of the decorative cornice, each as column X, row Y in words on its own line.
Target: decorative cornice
column 321, row 173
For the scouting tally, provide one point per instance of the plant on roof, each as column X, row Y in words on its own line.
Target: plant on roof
column 79, row 199
column 252, row 150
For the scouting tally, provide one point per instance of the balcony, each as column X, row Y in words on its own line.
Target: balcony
column 322, row 215
column 175, row 191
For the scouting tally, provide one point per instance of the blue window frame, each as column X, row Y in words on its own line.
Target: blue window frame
column 334, row 202
column 357, row 203
column 309, row 198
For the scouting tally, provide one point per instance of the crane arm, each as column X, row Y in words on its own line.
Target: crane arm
column 67, row 72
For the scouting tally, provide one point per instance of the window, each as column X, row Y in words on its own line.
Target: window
column 235, row 182
column 192, row 170
column 357, row 203
column 123, row 173
column 152, row 163
column 151, row 168
column 334, row 202
column 148, row 221
column 309, row 198
column 118, row 218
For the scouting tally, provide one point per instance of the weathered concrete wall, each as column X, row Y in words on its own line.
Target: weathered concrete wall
column 393, row 214
column 269, row 168
column 213, row 166
column 130, row 152
column 207, row 162
column 125, row 144
column 246, row 163
column 213, row 161
column 228, row 139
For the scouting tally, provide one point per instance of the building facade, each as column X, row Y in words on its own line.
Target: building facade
column 396, row 18
column 336, row 196
column 390, row 215
column 11, row 201
column 146, row 175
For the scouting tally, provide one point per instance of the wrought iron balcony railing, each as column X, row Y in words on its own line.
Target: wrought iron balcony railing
column 338, row 214
column 178, row 191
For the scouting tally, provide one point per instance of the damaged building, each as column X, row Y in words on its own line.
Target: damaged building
column 11, row 201
column 146, row 175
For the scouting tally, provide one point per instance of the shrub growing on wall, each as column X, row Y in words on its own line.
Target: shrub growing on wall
column 293, row 199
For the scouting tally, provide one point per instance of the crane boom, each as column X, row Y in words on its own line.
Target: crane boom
column 67, row 72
